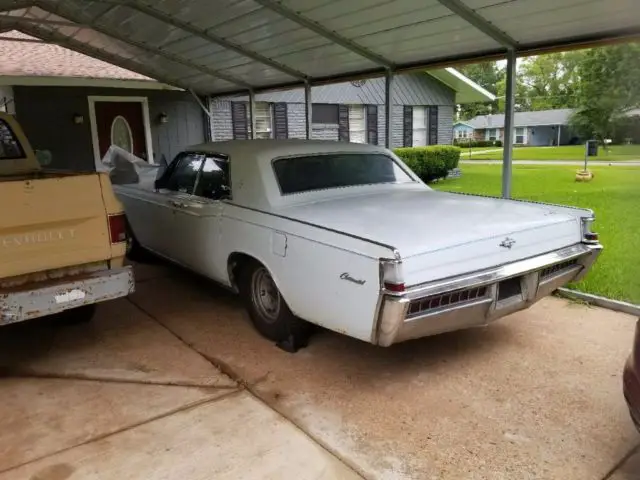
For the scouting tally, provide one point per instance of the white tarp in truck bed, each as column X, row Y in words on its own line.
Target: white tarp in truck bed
column 124, row 168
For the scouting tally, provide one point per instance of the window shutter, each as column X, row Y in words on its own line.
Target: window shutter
column 343, row 123
column 372, row 124
column 407, row 126
column 433, row 125
column 281, row 123
column 239, row 121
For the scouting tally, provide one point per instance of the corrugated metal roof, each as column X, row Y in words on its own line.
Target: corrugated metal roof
column 224, row 46
column 524, row 119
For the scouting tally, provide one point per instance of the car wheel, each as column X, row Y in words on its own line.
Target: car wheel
column 75, row 316
column 268, row 310
column 134, row 251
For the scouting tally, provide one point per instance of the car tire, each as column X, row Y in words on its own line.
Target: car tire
column 134, row 251
column 75, row 316
column 268, row 310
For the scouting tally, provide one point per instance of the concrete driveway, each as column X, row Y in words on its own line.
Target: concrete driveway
column 175, row 383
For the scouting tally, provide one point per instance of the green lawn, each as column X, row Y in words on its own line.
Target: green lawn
column 565, row 152
column 614, row 195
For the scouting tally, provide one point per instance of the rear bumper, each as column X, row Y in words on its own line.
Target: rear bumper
column 53, row 297
column 478, row 298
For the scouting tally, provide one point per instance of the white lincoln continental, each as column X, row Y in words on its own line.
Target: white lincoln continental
column 345, row 236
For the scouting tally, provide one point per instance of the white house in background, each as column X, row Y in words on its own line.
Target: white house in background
column 541, row 128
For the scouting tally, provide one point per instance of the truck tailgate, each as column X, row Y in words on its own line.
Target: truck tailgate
column 51, row 222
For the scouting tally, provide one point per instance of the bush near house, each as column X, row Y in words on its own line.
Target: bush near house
column 430, row 163
column 463, row 143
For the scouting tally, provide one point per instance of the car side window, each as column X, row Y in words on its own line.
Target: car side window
column 214, row 179
column 10, row 148
column 185, row 173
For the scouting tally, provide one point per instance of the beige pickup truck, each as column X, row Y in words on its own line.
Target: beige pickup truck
column 62, row 237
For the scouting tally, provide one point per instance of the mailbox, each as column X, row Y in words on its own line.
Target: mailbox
column 592, row 148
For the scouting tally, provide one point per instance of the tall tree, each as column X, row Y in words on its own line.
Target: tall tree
column 487, row 75
column 608, row 88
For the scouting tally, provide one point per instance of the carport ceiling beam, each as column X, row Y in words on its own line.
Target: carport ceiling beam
column 208, row 36
column 40, row 21
column 16, row 5
column 479, row 22
column 325, row 32
column 143, row 46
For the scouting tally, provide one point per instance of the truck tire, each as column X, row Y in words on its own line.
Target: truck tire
column 75, row 316
column 268, row 310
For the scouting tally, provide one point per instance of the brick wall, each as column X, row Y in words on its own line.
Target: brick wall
column 295, row 119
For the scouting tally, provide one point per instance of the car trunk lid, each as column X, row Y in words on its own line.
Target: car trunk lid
column 440, row 234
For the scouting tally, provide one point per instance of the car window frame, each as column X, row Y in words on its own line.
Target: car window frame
column 223, row 157
column 173, row 168
column 16, row 139
column 407, row 171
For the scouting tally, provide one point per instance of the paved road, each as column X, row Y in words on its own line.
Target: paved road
column 622, row 163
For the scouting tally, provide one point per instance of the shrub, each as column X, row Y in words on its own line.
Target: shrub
column 465, row 143
column 430, row 163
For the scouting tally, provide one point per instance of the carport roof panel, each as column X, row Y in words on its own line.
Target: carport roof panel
column 222, row 46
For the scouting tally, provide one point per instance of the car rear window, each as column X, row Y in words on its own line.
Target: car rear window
column 336, row 170
column 10, row 148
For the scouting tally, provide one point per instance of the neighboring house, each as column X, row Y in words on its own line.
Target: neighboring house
column 462, row 131
column 76, row 106
column 423, row 106
column 541, row 128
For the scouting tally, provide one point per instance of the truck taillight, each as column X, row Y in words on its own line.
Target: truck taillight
column 392, row 276
column 118, row 228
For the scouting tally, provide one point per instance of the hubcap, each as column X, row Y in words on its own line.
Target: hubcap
column 265, row 295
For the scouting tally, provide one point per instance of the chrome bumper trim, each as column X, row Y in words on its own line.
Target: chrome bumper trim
column 32, row 300
column 393, row 326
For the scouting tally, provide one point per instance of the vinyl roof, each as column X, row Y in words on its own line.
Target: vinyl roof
column 228, row 46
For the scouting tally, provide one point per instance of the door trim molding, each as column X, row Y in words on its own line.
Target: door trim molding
column 144, row 101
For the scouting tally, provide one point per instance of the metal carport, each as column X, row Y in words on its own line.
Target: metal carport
column 214, row 47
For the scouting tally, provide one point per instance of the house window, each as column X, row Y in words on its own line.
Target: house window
column 357, row 124
column 324, row 113
column 419, row 127
column 264, row 128
column 492, row 134
column 519, row 135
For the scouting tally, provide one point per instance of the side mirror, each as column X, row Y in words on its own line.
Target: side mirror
column 44, row 157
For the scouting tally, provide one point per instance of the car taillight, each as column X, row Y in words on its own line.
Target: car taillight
column 587, row 235
column 392, row 276
column 118, row 228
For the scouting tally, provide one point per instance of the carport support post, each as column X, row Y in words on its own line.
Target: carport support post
column 388, row 105
column 252, row 114
column 308, row 105
column 508, row 124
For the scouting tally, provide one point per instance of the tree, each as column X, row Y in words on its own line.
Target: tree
column 487, row 75
column 609, row 87
column 551, row 81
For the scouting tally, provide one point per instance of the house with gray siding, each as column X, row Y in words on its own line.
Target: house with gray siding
column 423, row 106
column 75, row 106
column 540, row 128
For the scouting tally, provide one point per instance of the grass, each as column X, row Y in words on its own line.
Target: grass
column 614, row 195
column 564, row 152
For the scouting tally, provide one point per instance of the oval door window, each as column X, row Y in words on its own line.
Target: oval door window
column 121, row 134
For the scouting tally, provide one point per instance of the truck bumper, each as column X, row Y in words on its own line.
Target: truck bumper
column 478, row 298
column 27, row 303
